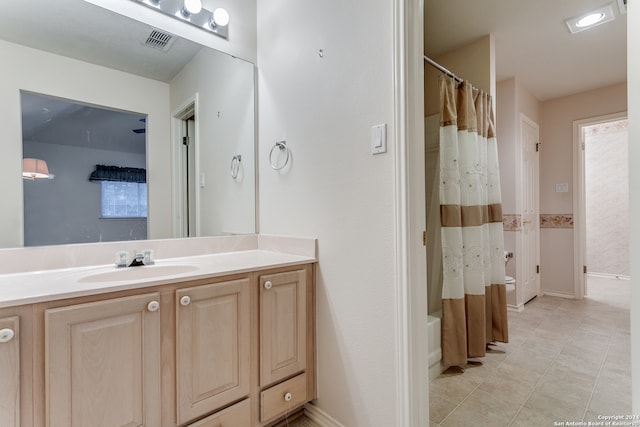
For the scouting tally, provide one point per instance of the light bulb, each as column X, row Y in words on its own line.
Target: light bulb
column 192, row 6
column 220, row 17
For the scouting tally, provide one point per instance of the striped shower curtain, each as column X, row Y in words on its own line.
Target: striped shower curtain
column 474, row 308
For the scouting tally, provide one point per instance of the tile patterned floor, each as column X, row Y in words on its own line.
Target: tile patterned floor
column 567, row 360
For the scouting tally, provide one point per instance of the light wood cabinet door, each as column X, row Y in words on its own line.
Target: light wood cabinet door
column 213, row 346
column 283, row 325
column 9, row 372
column 102, row 363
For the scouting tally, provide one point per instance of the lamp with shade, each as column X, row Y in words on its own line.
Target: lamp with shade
column 35, row 169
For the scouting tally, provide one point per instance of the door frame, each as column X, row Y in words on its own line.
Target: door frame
column 178, row 116
column 412, row 373
column 579, row 207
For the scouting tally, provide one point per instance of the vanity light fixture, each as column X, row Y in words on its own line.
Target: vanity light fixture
column 191, row 7
column 590, row 19
column 35, row 169
column 220, row 17
column 192, row 12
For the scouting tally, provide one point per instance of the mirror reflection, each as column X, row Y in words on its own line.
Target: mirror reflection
column 76, row 51
column 79, row 201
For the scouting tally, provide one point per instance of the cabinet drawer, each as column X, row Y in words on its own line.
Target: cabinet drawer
column 283, row 397
column 238, row 415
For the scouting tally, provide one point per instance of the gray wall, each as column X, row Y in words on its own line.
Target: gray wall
column 66, row 209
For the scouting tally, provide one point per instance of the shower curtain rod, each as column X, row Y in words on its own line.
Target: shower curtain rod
column 441, row 68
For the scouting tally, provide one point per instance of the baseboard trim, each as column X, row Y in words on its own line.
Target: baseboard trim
column 558, row 294
column 320, row 417
column 610, row 276
column 517, row 308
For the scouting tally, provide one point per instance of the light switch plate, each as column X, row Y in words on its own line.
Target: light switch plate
column 562, row 187
column 379, row 139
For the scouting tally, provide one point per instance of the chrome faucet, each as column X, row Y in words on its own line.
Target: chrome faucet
column 140, row 258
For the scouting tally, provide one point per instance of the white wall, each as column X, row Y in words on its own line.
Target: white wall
column 42, row 72
column 633, row 73
column 225, row 128
column 513, row 100
column 335, row 189
column 556, row 166
column 474, row 62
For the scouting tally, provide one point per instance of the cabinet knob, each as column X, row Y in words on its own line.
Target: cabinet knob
column 185, row 301
column 6, row 335
column 153, row 306
column 268, row 285
column 288, row 397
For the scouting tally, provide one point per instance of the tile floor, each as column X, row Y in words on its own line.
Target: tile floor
column 567, row 360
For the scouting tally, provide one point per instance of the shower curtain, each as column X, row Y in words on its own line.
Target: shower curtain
column 474, row 308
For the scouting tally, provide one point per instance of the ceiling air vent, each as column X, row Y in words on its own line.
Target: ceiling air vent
column 622, row 5
column 160, row 40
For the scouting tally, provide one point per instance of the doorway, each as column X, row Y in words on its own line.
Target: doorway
column 602, row 190
column 530, row 201
column 185, row 182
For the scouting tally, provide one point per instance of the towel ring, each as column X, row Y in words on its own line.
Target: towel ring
column 282, row 145
column 235, row 166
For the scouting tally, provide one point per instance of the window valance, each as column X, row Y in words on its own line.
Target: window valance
column 117, row 173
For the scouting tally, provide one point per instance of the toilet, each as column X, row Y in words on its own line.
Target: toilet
column 509, row 282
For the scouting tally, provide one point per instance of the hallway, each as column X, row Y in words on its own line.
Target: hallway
column 568, row 360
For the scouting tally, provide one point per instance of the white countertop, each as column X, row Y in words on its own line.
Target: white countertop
column 48, row 285
column 75, row 280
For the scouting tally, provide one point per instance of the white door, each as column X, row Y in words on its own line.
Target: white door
column 530, row 254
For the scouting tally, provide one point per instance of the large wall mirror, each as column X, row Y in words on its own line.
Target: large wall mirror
column 82, row 86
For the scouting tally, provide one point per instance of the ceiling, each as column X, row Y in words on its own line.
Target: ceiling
column 80, row 30
column 58, row 121
column 532, row 41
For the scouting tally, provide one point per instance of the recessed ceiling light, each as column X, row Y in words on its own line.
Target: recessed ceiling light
column 590, row 19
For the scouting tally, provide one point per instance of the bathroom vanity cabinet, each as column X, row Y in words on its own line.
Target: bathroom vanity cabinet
column 225, row 351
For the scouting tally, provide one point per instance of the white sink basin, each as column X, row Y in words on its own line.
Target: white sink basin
column 138, row 273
